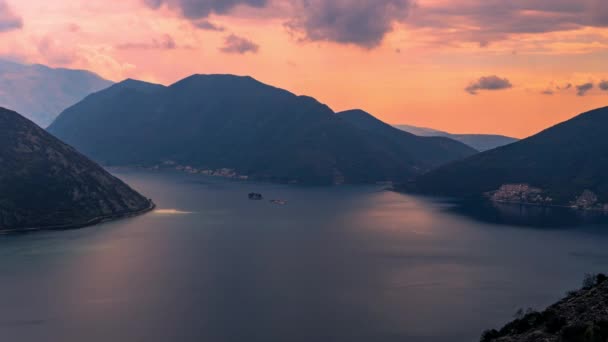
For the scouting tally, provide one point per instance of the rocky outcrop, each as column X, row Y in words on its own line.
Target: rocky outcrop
column 45, row 183
column 580, row 317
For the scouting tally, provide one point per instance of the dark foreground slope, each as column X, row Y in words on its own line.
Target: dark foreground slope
column 480, row 142
column 45, row 183
column 224, row 121
column 580, row 317
column 562, row 162
column 40, row 93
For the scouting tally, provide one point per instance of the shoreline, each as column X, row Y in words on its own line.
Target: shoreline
column 92, row 222
column 489, row 200
column 557, row 206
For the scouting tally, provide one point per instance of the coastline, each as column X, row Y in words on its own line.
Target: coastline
column 92, row 222
column 491, row 201
column 543, row 205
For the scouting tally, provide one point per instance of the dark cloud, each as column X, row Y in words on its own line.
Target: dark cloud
column 488, row 83
column 485, row 21
column 581, row 90
column 166, row 42
column 555, row 89
column 209, row 26
column 603, row 85
column 8, row 20
column 365, row 23
column 239, row 45
column 359, row 22
column 197, row 9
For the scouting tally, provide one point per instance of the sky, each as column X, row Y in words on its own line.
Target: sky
column 512, row 67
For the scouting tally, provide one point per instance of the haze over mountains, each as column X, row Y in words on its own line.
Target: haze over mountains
column 480, row 142
column 40, row 93
column 47, row 184
column 225, row 121
column 562, row 162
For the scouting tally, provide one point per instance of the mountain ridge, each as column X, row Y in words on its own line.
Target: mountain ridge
column 236, row 122
column 41, row 92
column 561, row 162
column 480, row 142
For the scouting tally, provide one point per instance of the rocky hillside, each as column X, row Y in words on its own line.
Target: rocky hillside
column 563, row 165
column 45, row 183
column 580, row 317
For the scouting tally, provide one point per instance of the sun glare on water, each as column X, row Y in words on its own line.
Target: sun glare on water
column 171, row 212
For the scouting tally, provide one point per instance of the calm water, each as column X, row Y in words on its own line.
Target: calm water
column 335, row 264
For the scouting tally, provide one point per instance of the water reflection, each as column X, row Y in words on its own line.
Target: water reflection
column 171, row 212
column 344, row 264
column 526, row 215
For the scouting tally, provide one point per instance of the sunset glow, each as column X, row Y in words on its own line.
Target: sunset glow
column 407, row 62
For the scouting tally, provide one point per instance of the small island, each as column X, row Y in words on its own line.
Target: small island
column 254, row 196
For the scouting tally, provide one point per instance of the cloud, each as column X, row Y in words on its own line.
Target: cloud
column 488, row 83
column 486, row 21
column 197, row 9
column 555, row 89
column 8, row 20
column 239, row 45
column 55, row 52
column 581, row 90
column 603, row 85
column 209, row 26
column 364, row 23
column 165, row 43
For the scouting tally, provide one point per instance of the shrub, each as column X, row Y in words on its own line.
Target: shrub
column 553, row 322
column 589, row 281
column 489, row 335
column 573, row 333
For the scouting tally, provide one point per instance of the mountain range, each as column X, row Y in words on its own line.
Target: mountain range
column 565, row 165
column 432, row 150
column 47, row 184
column 211, row 122
column 41, row 93
column 480, row 142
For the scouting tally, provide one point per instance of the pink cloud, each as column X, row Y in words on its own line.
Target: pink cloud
column 8, row 19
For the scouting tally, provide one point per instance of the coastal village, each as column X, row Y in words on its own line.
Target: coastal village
column 222, row 172
column 526, row 194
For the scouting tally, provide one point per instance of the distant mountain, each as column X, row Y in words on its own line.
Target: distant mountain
column 41, row 93
column 480, row 142
column 47, row 184
column 557, row 165
column 222, row 121
column 432, row 150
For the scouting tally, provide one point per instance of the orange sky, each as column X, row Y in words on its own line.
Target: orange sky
column 404, row 61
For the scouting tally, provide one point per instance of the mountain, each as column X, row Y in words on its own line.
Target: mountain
column 432, row 150
column 211, row 122
column 556, row 166
column 47, row 184
column 480, row 142
column 581, row 316
column 41, row 93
